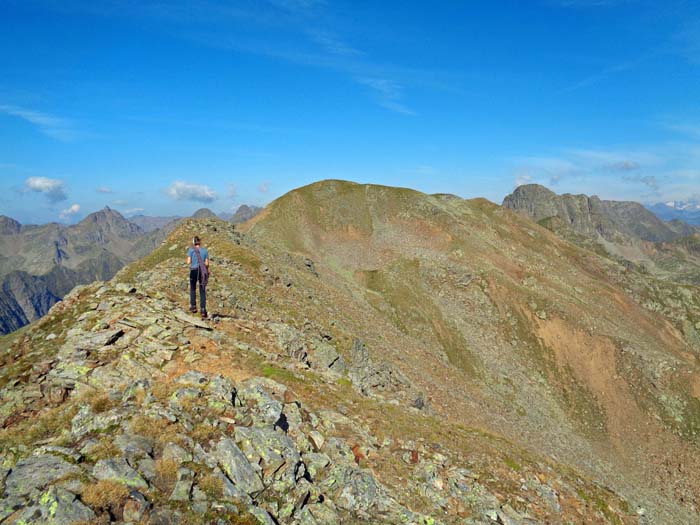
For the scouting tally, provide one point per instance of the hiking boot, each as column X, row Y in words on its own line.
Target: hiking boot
column 193, row 309
column 204, row 314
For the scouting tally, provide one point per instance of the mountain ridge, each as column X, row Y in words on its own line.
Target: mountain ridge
column 494, row 344
column 625, row 231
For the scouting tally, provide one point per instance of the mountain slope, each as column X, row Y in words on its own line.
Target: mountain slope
column 451, row 356
column 500, row 301
column 46, row 262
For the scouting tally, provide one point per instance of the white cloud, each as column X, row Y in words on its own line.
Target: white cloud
column 264, row 187
column 184, row 191
column 584, row 163
column 54, row 189
column 69, row 212
column 668, row 171
column 522, row 178
column 52, row 126
column 552, row 169
column 133, row 211
column 104, row 189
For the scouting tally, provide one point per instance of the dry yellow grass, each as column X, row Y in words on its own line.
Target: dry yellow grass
column 166, row 475
column 105, row 495
column 105, row 449
column 211, row 486
column 101, row 403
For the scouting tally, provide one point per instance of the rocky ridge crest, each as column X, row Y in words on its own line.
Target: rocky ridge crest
column 118, row 407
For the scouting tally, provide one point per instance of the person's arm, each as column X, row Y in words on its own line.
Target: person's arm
column 189, row 259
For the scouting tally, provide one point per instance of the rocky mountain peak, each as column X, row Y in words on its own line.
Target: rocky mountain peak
column 614, row 221
column 204, row 213
column 101, row 225
column 9, row 226
column 245, row 213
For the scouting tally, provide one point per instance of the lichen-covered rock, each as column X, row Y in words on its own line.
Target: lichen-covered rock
column 324, row 356
column 370, row 377
column 261, row 515
column 338, row 451
column 318, row 514
column 36, row 472
column 315, row 463
column 358, row 492
column 134, row 446
column 9, row 505
column 56, row 506
column 85, row 421
column 264, row 409
column 280, row 462
column 193, row 378
column 176, row 453
column 229, row 491
column 63, row 452
column 221, row 389
column 183, row 488
column 234, row 463
column 119, row 471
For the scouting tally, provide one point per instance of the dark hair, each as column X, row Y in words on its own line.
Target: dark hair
column 196, row 241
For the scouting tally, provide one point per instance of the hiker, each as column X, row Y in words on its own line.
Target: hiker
column 198, row 262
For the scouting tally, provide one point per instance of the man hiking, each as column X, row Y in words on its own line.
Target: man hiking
column 198, row 262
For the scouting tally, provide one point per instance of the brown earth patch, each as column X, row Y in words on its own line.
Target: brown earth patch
column 592, row 359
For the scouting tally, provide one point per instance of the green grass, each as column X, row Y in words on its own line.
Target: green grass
column 274, row 372
column 512, row 464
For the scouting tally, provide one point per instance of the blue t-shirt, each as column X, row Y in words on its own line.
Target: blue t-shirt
column 203, row 252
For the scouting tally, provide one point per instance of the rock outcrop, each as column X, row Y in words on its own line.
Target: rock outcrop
column 592, row 216
column 625, row 231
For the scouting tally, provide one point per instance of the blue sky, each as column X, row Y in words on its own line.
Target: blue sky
column 161, row 108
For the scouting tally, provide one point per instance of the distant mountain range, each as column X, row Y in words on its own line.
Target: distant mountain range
column 41, row 264
column 688, row 211
column 620, row 229
column 149, row 223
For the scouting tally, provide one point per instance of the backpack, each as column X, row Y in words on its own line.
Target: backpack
column 203, row 270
